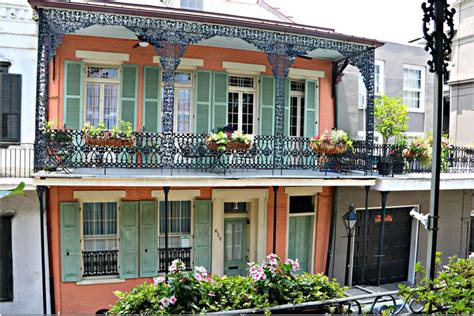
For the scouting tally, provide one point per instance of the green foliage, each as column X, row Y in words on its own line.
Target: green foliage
column 122, row 130
column 270, row 283
column 452, row 291
column 390, row 117
column 54, row 133
column 18, row 190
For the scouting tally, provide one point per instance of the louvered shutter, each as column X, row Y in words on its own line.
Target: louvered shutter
column 286, row 121
column 10, row 108
column 203, row 101
column 73, row 72
column 151, row 99
column 267, row 105
column 129, row 86
column 220, row 96
column 128, row 246
column 311, row 108
column 70, row 241
column 148, row 239
column 202, row 233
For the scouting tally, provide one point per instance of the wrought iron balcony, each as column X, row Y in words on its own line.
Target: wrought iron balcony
column 183, row 254
column 189, row 151
column 16, row 161
column 102, row 262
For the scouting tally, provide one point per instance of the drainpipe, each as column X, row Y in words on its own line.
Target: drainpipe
column 275, row 192
column 382, row 232
column 40, row 190
column 166, row 190
column 332, row 232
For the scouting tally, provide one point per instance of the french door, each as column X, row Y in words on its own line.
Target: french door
column 101, row 104
column 297, row 115
column 241, row 111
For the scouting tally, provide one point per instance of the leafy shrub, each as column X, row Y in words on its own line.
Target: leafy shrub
column 452, row 291
column 270, row 283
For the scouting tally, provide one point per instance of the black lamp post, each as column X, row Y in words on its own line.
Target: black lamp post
column 350, row 221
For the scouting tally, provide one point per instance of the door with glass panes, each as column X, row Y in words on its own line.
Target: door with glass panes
column 241, row 104
column 297, row 108
column 101, row 86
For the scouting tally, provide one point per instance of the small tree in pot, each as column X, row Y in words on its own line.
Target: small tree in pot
column 390, row 118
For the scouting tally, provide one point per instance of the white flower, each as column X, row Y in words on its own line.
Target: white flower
column 158, row 280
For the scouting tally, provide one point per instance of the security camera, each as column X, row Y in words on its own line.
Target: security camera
column 423, row 218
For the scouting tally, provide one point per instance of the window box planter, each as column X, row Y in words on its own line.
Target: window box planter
column 109, row 141
column 334, row 142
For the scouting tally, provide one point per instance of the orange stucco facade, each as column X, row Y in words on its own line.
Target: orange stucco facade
column 72, row 297
column 212, row 57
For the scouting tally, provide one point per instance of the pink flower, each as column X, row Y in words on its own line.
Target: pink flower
column 165, row 302
column 158, row 280
column 173, row 300
column 198, row 276
column 273, row 259
column 211, row 294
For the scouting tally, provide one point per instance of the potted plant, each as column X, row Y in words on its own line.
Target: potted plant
column 227, row 139
column 419, row 150
column 54, row 134
column 334, row 142
column 119, row 136
column 396, row 153
column 390, row 119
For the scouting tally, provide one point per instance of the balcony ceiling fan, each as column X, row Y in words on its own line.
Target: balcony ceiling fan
column 142, row 42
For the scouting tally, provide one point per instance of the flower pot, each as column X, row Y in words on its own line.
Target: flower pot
column 398, row 165
column 108, row 141
column 237, row 146
column 384, row 166
column 328, row 148
column 212, row 145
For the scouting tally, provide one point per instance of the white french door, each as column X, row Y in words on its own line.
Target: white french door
column 297, row 115
column 241, row 111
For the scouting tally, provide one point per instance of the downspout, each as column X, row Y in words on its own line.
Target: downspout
column 332, row 229
column 41, row 190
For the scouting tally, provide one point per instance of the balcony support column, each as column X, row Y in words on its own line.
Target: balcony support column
column 166, row 191
column 280, row 57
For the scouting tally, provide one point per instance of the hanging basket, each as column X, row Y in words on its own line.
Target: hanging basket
column 109, row 141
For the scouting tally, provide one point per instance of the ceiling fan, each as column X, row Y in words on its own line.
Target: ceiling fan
column 141, row 42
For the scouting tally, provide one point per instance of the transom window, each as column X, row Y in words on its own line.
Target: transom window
column 413, row 86
column 100, row 226
column 179, row 224
column 101, row 95
column 241, row 104
column 236, row 207
column 297, row 108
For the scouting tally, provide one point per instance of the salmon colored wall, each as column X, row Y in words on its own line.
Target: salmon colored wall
column 212, row 56
column 73, row 298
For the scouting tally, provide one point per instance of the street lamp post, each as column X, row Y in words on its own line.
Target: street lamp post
column 350, row 221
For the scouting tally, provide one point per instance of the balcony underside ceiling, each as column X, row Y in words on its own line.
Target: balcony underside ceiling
column 120, row 32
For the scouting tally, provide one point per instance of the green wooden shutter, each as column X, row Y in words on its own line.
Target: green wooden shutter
column 129, row 86
column 267, row 104
column 202, row 233
column 151, row 99
column 10, row 107
column 128, row 247
column 311, row 108
column 287, row 108
column 73, row 94
column 203, row 101
column 220, row 96
column 70, row 241
column 148, row 238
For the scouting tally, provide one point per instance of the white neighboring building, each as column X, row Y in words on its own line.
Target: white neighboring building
column 20, row 247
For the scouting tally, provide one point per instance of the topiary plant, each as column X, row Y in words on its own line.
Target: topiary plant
column 390, row 117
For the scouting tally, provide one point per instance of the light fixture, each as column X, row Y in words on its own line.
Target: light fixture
column 143, row 44
column 350, row 220
column 236, row 207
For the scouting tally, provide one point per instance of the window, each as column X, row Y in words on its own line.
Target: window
column 301, row 204
column 413, row 86
column 241, row 106
column 297, row 108
column 236, row 207
column 6, row 267
column 100, row 247
column 179, row 224
column 192, row 4
column 183, row 102
column 362, row 93
column 101, row 91
column 379, row 77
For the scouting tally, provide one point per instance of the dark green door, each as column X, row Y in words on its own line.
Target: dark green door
column 300, row 240
column 235, row 246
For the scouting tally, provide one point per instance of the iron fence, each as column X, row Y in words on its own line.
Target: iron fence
column 183, row 254
column 103, row 262
column 16, row 161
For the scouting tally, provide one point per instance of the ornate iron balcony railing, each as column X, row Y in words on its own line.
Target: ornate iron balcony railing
column 102, row 262
column 183, row 254
column 189, row 151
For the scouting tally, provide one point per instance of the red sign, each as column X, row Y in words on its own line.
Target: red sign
column 388, row 218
